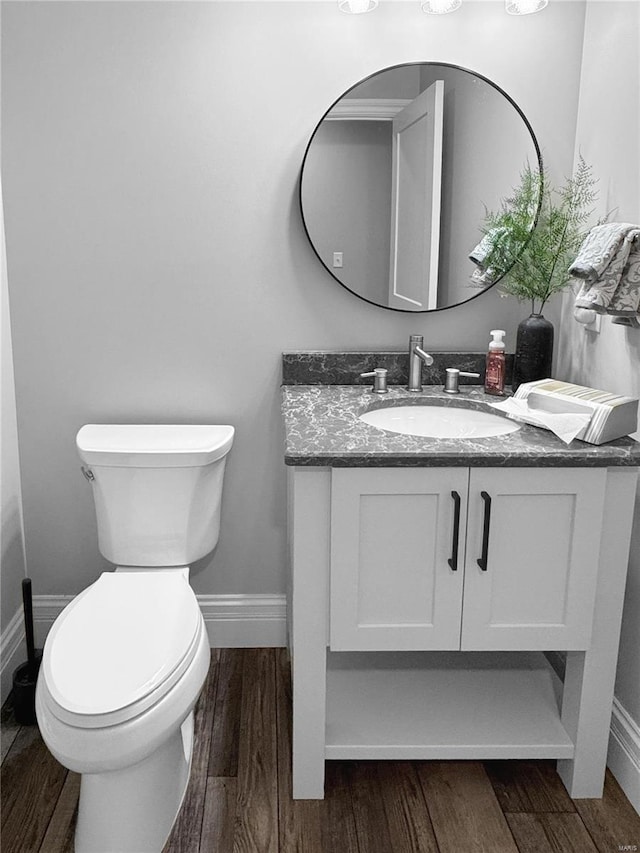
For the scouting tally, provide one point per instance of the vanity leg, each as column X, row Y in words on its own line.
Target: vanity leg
column 310, row 493
column 590, row 676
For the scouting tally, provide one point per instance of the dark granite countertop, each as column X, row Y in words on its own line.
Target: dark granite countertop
column 322, row 428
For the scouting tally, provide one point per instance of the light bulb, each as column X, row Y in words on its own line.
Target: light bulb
column 357, row 7
column 440, row 7
column 525, row 7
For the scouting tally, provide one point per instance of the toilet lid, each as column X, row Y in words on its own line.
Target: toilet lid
column 120, row 641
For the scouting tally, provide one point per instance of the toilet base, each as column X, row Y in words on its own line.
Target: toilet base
column 133, row 810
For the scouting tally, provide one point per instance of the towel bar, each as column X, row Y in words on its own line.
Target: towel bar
column 631, row 322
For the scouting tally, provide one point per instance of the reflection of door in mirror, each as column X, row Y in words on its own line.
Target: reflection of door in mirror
column 415, row 201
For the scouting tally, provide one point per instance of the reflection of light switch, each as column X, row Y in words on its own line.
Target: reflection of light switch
column 337, row 259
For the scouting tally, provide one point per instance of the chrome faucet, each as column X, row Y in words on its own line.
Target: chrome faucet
column 416, row 356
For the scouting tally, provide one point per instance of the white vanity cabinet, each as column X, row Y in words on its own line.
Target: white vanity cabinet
column 422, row 603
column 453, row 558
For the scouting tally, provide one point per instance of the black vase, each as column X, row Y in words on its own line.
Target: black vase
column 534, row 350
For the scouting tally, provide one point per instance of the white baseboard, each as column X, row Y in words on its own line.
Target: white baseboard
column 13, row 652
column 623, row 757
column 46, row 609
column 233, row 621
column 245, row 621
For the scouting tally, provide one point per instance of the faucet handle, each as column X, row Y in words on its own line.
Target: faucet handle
column 379, row 380
column 451, row 380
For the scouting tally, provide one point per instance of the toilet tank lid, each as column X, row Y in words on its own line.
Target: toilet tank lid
column 153, row 445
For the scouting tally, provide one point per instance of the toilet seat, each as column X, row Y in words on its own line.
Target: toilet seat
column 120, row 646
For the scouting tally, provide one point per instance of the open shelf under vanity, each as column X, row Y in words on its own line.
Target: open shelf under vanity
column 432, row 705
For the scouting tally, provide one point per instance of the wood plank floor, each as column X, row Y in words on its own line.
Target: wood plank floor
column 239, row 797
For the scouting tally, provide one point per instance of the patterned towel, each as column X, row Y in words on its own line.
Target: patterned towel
column 626, row 299
column 482, row 252
column 608, row 264
column 483, row 275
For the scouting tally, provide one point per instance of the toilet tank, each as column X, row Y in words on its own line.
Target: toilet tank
column 156, row 488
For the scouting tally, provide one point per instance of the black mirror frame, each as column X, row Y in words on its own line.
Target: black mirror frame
column 359, row 83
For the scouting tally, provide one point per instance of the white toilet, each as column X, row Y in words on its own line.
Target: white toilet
column 125, row 661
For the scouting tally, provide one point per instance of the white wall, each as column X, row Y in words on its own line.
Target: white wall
column 608, row 135
column 157, row 262
column 12, row 559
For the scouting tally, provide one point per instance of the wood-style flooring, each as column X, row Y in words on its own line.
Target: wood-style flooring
column 239, row 797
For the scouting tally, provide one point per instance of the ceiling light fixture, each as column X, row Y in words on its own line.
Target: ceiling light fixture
column 357, row 7
column 440, row 7
column 525, row 7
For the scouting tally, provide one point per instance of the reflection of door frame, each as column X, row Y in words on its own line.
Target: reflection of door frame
column 423, row 119
column 367, row 109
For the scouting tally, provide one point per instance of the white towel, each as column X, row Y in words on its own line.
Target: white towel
column 609, row 269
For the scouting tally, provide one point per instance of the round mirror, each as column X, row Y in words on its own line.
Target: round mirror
column 397, row 179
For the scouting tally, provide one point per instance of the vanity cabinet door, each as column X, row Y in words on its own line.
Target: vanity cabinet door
column 533, row 542
column 395, row 581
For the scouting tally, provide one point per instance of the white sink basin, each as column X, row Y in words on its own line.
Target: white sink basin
column 439, row 422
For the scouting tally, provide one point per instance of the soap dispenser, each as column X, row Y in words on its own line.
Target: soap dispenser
column 496, row 365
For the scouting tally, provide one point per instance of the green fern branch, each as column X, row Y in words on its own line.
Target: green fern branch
column 533, row 263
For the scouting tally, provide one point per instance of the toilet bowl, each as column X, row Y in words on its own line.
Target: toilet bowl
column 125, row 662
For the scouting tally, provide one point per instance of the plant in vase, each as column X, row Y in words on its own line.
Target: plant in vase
column 533, row 264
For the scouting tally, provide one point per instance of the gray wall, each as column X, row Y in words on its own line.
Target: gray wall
column 610, row 92
column 486, row 146
column 157, row 263
column 348, row 170
column 12, row 561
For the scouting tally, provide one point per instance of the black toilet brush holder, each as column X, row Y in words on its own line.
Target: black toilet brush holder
column 25, row 676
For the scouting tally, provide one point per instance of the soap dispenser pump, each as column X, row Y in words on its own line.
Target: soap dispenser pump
column 496, row 364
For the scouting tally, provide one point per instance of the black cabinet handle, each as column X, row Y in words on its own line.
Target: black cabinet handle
column 482, row 561
column 453, row 559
